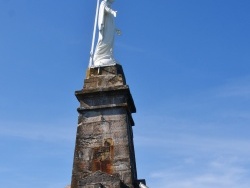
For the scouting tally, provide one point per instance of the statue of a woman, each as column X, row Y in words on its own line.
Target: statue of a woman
column 104, row 49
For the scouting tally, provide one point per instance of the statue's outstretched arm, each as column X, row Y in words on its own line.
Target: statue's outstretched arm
column 109, row 10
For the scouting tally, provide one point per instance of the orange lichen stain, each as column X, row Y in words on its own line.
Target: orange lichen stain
column 103, row 157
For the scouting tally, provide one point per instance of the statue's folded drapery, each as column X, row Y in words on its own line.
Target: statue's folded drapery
column 104, row 49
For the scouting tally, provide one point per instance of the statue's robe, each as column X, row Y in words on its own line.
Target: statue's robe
column 104, row 49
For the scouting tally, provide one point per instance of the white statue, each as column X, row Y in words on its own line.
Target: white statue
column 103, row 55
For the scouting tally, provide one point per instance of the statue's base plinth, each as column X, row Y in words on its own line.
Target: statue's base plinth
column 104, row 140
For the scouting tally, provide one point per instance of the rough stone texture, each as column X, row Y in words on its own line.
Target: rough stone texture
column 101, row 179
column 104, row 151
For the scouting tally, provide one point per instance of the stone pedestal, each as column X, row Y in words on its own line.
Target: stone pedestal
column 104, row 151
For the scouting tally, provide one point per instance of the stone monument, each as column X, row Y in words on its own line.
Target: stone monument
column 104, row 154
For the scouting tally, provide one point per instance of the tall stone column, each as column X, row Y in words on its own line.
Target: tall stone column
column 104, row 150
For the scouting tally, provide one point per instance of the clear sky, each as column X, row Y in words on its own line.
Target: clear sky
column 187, row 63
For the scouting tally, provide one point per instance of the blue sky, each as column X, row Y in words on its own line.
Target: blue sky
column 187, row 65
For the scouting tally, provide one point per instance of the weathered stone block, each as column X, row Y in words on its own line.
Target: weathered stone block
column 104, row 153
